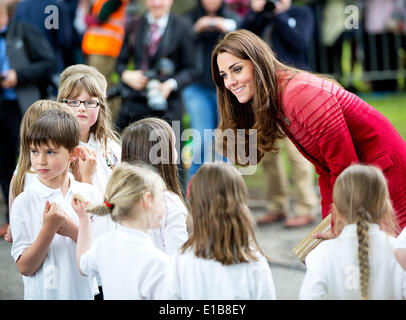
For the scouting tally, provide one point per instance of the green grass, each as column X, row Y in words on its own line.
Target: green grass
column 393, row 106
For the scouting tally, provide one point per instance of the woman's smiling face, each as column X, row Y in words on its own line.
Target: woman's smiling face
column 238, row 75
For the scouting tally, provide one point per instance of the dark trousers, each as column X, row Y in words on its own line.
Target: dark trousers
column 10, row 119
column 373, row 48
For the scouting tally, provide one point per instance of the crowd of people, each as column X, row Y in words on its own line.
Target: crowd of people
column 96, row 200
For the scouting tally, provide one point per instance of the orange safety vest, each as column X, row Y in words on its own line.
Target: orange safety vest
column 105, row 39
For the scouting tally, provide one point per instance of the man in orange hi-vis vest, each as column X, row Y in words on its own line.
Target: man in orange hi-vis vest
column 104, row 37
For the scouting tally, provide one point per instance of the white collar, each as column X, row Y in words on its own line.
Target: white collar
column 162, row 21
column 126, row 231
column 45, row 192
column 351, row 229
column 91, row 142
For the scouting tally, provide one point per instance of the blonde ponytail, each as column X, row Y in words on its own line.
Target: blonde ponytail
column 126, row 186
column 363, row 250
column 361, row 196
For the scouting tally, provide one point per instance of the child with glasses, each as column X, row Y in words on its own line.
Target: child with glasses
column 84, row 90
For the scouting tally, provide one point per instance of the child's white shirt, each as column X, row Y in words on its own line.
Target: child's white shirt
column 172, row 233
column 106, row 162
column 333, row 268
column 193, row 278
column 58, row 277
column 400, row 242
column 129, row 264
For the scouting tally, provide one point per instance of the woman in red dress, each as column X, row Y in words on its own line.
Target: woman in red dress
column 330, row 126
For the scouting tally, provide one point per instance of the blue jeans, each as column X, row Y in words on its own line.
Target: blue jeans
column 201, row 104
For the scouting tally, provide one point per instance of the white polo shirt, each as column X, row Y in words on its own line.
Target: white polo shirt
column 58, row 277
column 106, row 161
column 193, row 278
column 129, row 265
column 400, row 242
column 333, row 268
column 172, row 233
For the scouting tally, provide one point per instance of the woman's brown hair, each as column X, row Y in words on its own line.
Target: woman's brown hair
column 261, row 113
column 361, row 196
column 222, row 224
column 141, row 138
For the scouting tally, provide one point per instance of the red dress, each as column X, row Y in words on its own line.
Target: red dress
column 333, row 128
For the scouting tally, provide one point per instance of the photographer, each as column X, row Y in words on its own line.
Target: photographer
column 160, row 45
column 211, row 19
column 291, row 28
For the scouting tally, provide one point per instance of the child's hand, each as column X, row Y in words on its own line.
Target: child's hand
column 53, row 216
column 85, row 166
column 79, row 205
column 68, row 229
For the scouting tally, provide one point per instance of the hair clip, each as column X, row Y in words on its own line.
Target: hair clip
column 108, row 205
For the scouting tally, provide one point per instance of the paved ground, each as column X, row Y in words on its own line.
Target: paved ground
column 275, row 240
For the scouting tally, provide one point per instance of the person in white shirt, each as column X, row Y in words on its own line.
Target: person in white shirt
column 400, row 248
column 84, row 89
column 153, row 141
column 24, row 174
column 129, row 264
column 359, row 263
column 222, row 259
column 43, row 223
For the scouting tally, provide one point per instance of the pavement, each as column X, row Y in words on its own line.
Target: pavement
column 275, row 240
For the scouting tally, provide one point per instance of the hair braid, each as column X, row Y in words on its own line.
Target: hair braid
column 363, row 250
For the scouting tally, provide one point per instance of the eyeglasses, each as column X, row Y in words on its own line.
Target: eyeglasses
column 76, row 103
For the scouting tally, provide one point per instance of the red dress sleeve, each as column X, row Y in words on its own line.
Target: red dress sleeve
column 321, row 130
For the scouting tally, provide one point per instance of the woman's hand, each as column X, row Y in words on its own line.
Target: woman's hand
column 324, row 235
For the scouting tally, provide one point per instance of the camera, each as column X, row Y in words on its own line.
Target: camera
column 270, row 5
column 163, row 69
column 156, row 102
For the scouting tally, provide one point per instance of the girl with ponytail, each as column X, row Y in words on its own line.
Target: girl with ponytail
column 129, row 265
column 359, row 263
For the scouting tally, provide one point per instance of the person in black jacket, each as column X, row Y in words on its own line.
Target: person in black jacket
column 162, row 43
column 291, row 29
column 26, row 60
column 211, row 19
